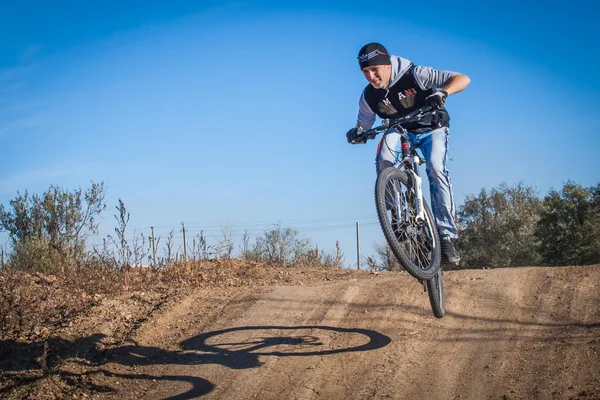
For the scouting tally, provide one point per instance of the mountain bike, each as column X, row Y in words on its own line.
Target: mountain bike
column 405, row 218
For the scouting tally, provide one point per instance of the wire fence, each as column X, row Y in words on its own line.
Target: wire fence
column 186, row 241
column 189, row 240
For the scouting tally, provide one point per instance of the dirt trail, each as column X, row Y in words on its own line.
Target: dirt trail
column 518, row 333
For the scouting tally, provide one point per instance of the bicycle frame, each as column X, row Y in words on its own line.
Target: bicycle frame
column 409, row 160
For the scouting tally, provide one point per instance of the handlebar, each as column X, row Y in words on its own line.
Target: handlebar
column 415, row 115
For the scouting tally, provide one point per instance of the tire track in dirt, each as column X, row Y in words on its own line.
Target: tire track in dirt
column 281, row 314
column 518, row 333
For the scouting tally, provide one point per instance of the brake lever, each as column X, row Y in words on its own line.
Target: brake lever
column 368, row 135
column 362, row 139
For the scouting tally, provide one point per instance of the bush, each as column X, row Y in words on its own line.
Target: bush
column 35, row 255
column 49, row 232
column 498, row 227
column 284, row 247
column 569, row 228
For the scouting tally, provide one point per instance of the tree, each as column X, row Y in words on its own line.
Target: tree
column 279, row 246
column 54, row 225
column 569, row 227
column 498, row 227
column 384, row 259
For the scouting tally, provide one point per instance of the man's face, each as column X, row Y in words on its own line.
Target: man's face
column 378, row 75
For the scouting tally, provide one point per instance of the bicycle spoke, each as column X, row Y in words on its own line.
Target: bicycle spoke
column 417, row 240
column 411, row 238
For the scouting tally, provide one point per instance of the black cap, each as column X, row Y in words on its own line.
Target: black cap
column 373, row 54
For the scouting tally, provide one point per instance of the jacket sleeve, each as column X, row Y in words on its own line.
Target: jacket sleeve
column 366, row 116
column 430, row 78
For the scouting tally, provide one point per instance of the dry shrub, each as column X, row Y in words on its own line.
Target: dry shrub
column 34, row 305
column 31, row 305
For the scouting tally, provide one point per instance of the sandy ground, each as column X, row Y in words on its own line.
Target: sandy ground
column 514, row 333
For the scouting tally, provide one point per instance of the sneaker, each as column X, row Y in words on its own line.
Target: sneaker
column 449, row 254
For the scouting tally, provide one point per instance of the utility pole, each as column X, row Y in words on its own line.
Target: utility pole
column 2, row 260
column 357, row 247
column 184, row 243
column 153, row 247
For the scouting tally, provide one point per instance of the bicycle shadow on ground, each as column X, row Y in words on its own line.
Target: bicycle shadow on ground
column 242, row 347
column 235, row 348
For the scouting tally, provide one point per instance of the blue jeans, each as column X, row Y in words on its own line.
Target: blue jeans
column 434, row 146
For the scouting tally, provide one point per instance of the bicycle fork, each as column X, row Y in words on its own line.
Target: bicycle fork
column 417, row 187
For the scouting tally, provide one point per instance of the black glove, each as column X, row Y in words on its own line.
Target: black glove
column 355, row 136
column 437, row 99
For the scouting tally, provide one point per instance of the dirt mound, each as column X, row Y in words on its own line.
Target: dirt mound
column 250, row 331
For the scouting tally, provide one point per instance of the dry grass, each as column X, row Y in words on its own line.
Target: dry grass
column 33, row 305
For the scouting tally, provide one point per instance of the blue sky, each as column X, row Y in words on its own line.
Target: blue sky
column 232, row 114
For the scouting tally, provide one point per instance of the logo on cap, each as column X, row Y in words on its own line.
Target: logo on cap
column 365, row 57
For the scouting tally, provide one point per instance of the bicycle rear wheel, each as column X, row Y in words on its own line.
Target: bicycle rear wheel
column 435, row 290
column 414, row 242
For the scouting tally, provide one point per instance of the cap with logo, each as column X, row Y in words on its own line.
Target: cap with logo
column 373, row 54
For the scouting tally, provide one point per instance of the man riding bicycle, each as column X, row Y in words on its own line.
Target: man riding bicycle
column 397, row 87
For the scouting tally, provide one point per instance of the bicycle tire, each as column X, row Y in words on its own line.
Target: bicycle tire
column 435, row 290
column 423, row 262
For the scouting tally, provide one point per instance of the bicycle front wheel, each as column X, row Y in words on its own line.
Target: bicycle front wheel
column 414, row 241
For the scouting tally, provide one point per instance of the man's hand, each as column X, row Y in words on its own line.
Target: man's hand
column 354, row 136
column 437, row 99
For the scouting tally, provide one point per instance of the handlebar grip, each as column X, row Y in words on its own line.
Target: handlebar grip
column 365, row 136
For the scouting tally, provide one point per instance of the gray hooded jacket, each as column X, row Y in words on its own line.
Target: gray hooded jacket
column 426, row 78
